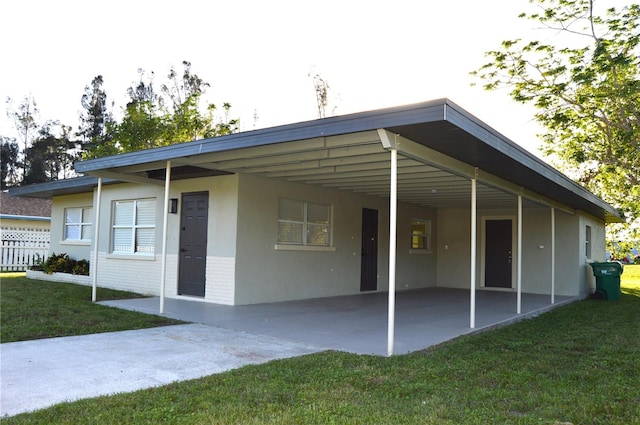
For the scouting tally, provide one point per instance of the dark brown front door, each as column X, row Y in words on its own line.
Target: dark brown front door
column 498, row 254
column 193, row 244
column 369, row 261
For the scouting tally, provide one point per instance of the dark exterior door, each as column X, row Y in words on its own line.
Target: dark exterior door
column 498, row 254
column 369, row 261
column 193, row 244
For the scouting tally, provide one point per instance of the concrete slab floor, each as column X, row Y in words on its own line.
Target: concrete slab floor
column 358, row 323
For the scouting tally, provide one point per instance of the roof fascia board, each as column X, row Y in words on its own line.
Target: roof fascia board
column 75, row 185
column 429, row 156
column 472, row 125
column 361, row 122
column 24, row 217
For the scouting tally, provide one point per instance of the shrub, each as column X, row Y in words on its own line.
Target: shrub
column 61, row 263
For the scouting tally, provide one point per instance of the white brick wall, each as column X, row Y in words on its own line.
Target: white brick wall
column 221, row 272
column 60, row 277
column 129, row 274
column 143, row 276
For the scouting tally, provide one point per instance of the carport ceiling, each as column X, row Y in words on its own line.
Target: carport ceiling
column 355, row 162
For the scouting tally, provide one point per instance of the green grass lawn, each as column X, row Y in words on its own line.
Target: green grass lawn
column 631, row 275
column 33, row 309
column 578, row 364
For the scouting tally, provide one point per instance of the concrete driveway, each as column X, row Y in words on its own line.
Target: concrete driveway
column 38, row 374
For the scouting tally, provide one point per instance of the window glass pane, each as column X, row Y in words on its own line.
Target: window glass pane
column 145, row 240
column 123, row 213
column 87, row 231
column 122, row 240
column 72, row 231
column 73, row 215
column 146, row 212
column 317, row 235
column 318, row 214
column 290, row 233
column 87, row 215
column 420, row 230
column 291, row 210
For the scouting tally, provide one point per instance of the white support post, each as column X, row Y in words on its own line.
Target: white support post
column 472, row 316
column 519, row 257
column 553, row 255
column 165, row 226
column 393, row 223
column 96, row 234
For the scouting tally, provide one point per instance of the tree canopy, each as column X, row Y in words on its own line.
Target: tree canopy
column 176, row 113
column 585, row 85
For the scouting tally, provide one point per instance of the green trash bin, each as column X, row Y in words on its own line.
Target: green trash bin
column 607, row 280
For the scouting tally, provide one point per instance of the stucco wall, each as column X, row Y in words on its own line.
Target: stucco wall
column 264, row 273
column 571, row 269
column 221, row 236
column 244, row 266
column 77, row 250
column 142, row 273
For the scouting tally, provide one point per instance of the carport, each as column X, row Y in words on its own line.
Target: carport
column 432, row 154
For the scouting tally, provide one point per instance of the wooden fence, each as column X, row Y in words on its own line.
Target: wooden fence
column 21, row 247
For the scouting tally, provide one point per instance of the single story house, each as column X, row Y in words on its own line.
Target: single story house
column 415, row 196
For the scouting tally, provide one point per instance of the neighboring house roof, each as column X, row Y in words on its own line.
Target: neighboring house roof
column 348, row 152
column 21, row 208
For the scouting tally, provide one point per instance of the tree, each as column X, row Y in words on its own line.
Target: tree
column 95, row 122
column 50, row 156
column 323, row 94
column 174, row 115
column 186, row 118
column 587, row 93
column 9, row 163
column 25, row 122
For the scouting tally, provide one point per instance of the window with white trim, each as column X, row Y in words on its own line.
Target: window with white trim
column 304, row 223
column 421, row 234
column 587, row 240
column 77, row 224
column 134, row 227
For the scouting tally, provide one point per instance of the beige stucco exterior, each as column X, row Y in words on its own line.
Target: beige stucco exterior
column 245, row 265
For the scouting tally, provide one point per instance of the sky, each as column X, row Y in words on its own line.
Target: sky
column 257, row 54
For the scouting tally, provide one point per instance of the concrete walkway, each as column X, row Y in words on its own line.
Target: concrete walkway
column 38, row 374
column 41, row 373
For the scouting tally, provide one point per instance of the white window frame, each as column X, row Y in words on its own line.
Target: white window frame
column 426, row 237
column 304, row 244
column 85, row 213
column 133, row 226
column 587, row 244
